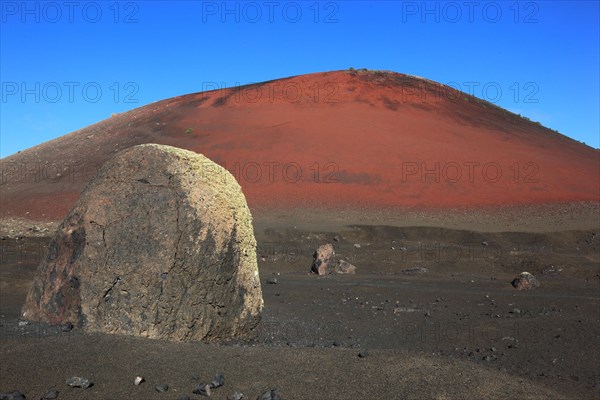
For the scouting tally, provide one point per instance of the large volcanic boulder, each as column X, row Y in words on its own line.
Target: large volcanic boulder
column 160, row 244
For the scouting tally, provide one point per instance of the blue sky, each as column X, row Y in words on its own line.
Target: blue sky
column 65, row 65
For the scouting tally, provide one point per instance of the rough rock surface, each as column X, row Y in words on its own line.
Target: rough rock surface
column 160, row 244
column 525, row 281
column 323, row 259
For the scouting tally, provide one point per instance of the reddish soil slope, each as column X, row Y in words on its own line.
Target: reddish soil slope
column 337, row 139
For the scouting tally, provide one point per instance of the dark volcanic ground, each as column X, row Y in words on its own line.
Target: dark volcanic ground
column 458, row 330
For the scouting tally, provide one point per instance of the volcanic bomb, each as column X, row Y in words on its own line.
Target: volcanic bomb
column 160, row 245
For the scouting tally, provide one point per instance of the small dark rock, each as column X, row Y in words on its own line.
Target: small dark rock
column 202, row 389
column 77, row 381
column 218, row 381
column 336, row 343
column 272, row 394
column 235, row 395
column 363, row 354
column 163, row 387
column 16, row 395
column 51, row 394
column 272, row 281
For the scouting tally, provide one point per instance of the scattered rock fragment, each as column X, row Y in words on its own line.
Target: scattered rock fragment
column 203, row 389
column 138, row 380
column 525, row 281
column 363, row 354
column 77, row 381
column 272, row 281
column 218, row 381
column 235, row 395
column 272, row 394
column 162, row 387
column 15, row 395
column 50, row 394
column 344, row 267
column 323, row 257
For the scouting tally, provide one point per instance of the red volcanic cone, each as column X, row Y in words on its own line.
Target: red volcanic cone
column 345, row 139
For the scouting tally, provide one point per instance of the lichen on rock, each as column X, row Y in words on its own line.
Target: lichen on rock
column 160, row 244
